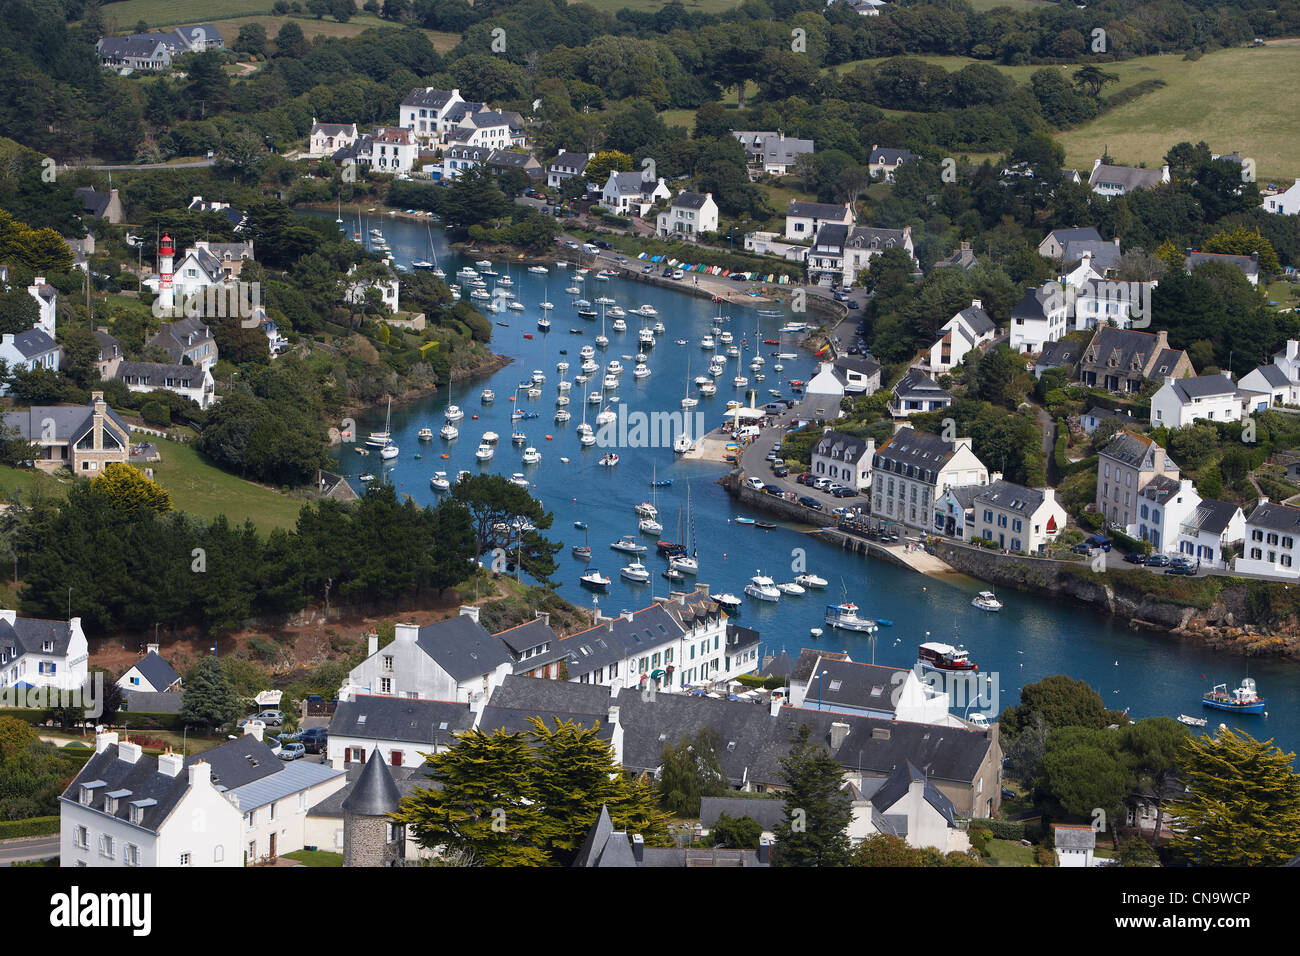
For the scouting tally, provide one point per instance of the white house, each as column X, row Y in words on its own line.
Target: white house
column 632, row 194
column 566, row 166
column 1276, row 384
column 689, row 215
column 911, row 469
column 29, row 350
column 1164, row 505
column 189, row 381
column 954, row 511
column 326, row 139
column 145, row 51
column 186, row 339
column 451, row 660
column 884, row 162
column 1124, row 467
column 1181, row 401
column 39, row 653
column 1040, row 317
column 232, row 805
column 389, row 290
column 772, row 153
column 804, row 219
column 1017, row 518
column 967, row 330
column 401, row 729
column 1074, row 844
column 833, row 681
column 773, row 244
column 47, row 298
column 483, row 128
column 425, row 111
column 150, row 674
column 908, row 804
column 392, row 150
column 826, row 386
column 840, row 252
column 1206, row 534
column 916, row 393
column 1270, row 536
column 845, row 459
column 1053, row 244
column 1284, row 203
column 1107, row 180
column 859, row 374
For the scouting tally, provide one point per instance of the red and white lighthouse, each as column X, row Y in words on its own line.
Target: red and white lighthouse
column 166, row 251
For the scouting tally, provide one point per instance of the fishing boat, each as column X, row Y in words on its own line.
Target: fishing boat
column 791, row 588
column 1243, row 700
column 628, row 544
column 649, row 526
column 808, row 580
column 1192, row 721
column 845, row 617
column 944, row 657
column 425, row 434
column 531, row 456
column 763, row 588
column 610, row 460
column 728, row 602
column 595, row 580
column 672, row 574
column 986, row 601
column 439, row 481
column 449, row 432
column 636, row 571
column 485, row 453
column 488, row 396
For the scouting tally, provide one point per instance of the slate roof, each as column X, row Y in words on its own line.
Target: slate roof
column 1129, row 177
column 815, row 210
column 772, row 147
column 1134, row 451
column 239, row 762
column 1247, row 264
column 462, row 647
column 27, row 635
column 779, row 666
column 802, row 671
column 518, row 699
column 606, row 847
column 864, row 365
column 1160, row 489
column 841, row 447
column 767, row 813
column 1071, row 837
column 521, row 637
column 1203, row 386
column 1274, row 376
column 895, row 787
column 333, row 129
column 1128, row 347
column 428, row 98
column 1033, row 304
column 157, row 374
column 433, row 722
column 917, row 384
column 570, row 160
column 34, row 342
column 374, row 794
column 140, row 46
column 965, row 495
column 109, row 347
column 890, row 157
column 71, row 422
column 1009, row 496
column 157, row 671
column 404, row 778
column 687, row 200
column 922, row 450
column 861, row 237
column 141, row 778
column 148, row 702
column 1212, row 516
column 633, row 184
column 175, row 338
column 619, row 638
column 1074, row 234
column 1063, row 353
column 93, row 202
column 1278, row 517
column 977, row 320
column 850, row 684
column 1105, row 255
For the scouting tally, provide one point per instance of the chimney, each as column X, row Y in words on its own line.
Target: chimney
column 469, row 610
column 625, row 615
column 774, row 706
column 638, row 847
column 407, row 633
column 839, row 731
column 129, row 752
column 170, row 764
column 613, row 715
column 372, row 644
column 974, row 303
column 104, row 741
column 254, row 728
column 151, row 648
column 543, row 616
column 200, row 773
column 765, row 851
column 994, row 476
column 1162, row 339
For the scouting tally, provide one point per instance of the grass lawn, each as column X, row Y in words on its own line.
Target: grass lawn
column 315, row 858
column 207, row 491
column 1285, row 294
column 22, row 481
column 311, row 27
column 653, row 6
column 1009, row 853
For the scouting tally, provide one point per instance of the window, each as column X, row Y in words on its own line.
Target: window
column 82, row 838
column 385, row 685
column 272, row 815
column 132, row 855
column 106, row 846
column 388, row 662
column 218, row 854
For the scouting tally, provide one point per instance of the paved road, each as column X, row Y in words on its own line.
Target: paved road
column 192, row 164
column 35, row 848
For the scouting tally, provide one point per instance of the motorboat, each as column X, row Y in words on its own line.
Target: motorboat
column 641, row 371
column 605, row 418
column 708, row 388
column 449, row 432
column 845, row 617
column 707, row 343
column 689, row 402
column 619, row 325
column 365, row 477
column 650, row 526
column 561, row 400
column 1243, row 700
column 562, row 416
column 646, row 510
column 520, row 479
column 453, row 413
column 488, row 396
column 539, row 377
column 610, row 460
column 808, row 580
column 594, row 398
column 439, row 481
column 610, row 383
column 425, row 434
column 986, row 601
column 944, row 657
column 485, row 453
column 586, row 436
column 637, row 572
column 519, row 438
column 594, row 579
column 544, row 324
column 615, row 367
column 763, row 588
column 740, row 381
column 791, row 588
column 659, row 328
column 728, row 602
column 531, row 456
column 490, row 438
column 586, row 352
column 672, row 574
column 538, row 270
column 1192, row 721
column 682, row 443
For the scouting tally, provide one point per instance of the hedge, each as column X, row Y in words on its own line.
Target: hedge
column 1001, row 829
column 33, row 826
column 138, row 720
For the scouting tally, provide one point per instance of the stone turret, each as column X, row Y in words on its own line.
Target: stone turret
column 370, row 838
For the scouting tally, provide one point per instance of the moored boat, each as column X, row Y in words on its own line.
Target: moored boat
column 944, row 657
column 986, row 601
column 845, row 617
column 1243, row 700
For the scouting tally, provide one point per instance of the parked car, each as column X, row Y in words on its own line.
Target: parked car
column 853, row 305
column 316, row 739
column 1081, row 548
column 601, row 243
column 1097, row 541
column 780, row 471
column 771, row 455
column 1135, row 557
column 272, row 718
column 772, row 489
column 822, row 484
column 805, row 478
column 1181, row 569
column 812, row 503
column 678, row 274
column 646, row 270
column 292, row 751
column 668, row 272
column 1157, row 561
column 845, row 492
column 756, row 483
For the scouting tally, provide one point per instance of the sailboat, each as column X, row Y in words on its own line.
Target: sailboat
column 380, row 439
column 688, row 564
column 687, row 401
column 648, row 524
column 586, row 435
column 583, row 551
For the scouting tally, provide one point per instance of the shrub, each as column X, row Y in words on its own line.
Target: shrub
column 156, row 414
column 1000, row 829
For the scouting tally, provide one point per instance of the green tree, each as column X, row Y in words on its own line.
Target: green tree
column 817, row 810
column 737, row 833
column 1085, row 771
column 1243, row 802
column 130, row 491
column 1063, row 702
column 691, row 770
column 209, row 700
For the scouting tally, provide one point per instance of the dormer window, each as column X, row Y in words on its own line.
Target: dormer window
column 47, row 646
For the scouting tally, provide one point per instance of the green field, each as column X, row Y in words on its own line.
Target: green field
column 315, row 857
column 207, row 491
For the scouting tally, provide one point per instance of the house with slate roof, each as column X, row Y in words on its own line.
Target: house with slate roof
column 326, row 139
column 606, row 847
column 47, row 300
column 840, row 252
column 1285, row 203
column 845, row 459
column 1182, row 401
column 1126, row 360
column 566, row 166
column 146, row 51
column 189, row 381
column 1163, row 506
column 425, row 112
column 803, row 220
column 832, row 681
column 1053, row 244
column 100, row 205
column 1074, row 844
column 689, row 215
column 1276, row 384
column 400, row 729
column 772, row 153
column 1271, row 535
column 1093, row 300
column 1249, row 265
column 1063, row 353
column 632, row 194
column 110, row 352
column 128, row 809
column 82, row 438
column 39, row 653
column 884, row 162
column 858, row 374
column 188, row 338
column 1124, row 467
column 330, row 485
column 1019, row 519
column 452, row 660
column 963, row 333
column 916, row 393
column 963, row 258
column 150, row 674
column 29, row 350
column 954, row 511
column 915, row 809
column 1108, row 180
column 911, row 469
column 1040, row 317
column 1097, row 253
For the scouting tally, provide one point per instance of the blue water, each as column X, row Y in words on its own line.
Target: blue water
column 1150, row 674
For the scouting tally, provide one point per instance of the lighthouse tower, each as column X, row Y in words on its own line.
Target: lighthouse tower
column 166, row 251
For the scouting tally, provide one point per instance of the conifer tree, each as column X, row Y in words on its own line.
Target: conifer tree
column 817, row 810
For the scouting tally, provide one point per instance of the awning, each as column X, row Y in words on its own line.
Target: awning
column 656, row 674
